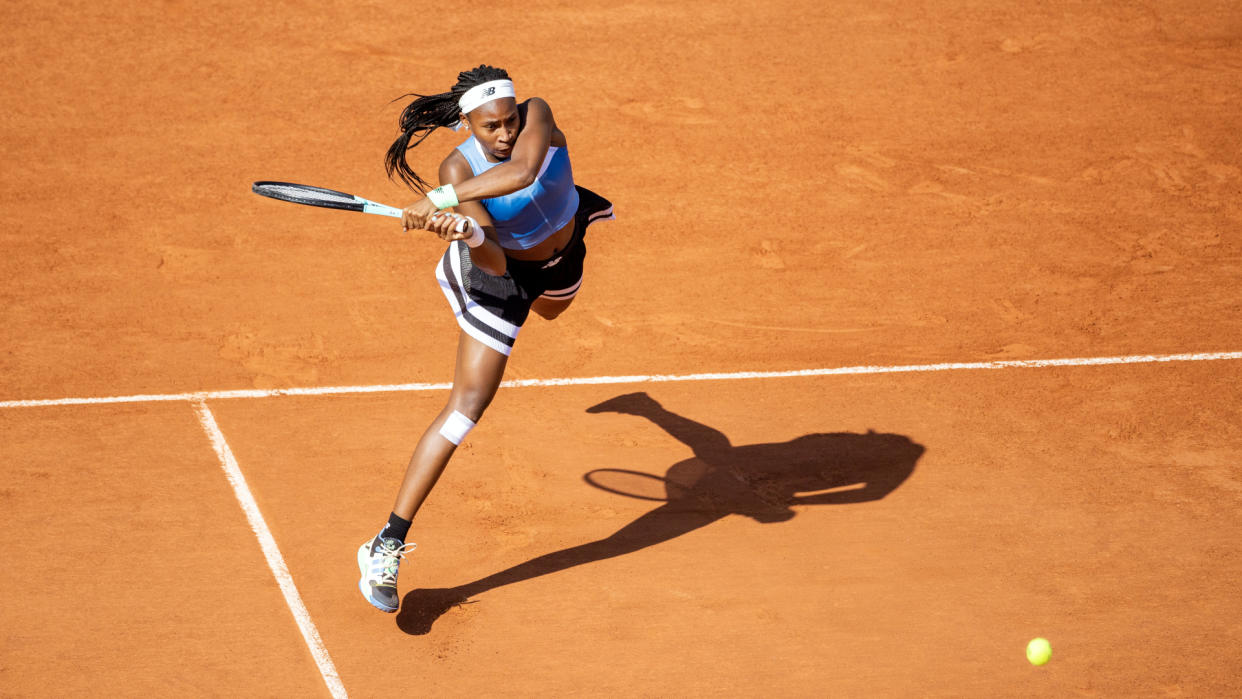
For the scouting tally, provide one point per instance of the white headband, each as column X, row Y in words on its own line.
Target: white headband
column 480, row 95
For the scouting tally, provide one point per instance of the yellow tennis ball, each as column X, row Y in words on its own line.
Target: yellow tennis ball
column 1038, row 651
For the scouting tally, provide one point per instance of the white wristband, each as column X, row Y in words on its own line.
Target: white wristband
column 476, row 232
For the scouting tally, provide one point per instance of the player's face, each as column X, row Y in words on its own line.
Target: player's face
column 496, row 125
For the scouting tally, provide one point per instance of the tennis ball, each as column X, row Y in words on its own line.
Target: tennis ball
column 1038, row 651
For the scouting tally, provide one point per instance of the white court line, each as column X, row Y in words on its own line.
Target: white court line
column 200, row 396
column 270, row 551
column 267, row 542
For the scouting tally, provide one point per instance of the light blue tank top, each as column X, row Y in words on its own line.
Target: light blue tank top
column 528, row 216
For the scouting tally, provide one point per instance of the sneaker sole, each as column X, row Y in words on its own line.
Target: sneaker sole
column 364, row 556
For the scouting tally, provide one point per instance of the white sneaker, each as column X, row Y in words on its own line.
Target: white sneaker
column 378, row 561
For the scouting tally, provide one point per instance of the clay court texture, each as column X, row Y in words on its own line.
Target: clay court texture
column 854, row 232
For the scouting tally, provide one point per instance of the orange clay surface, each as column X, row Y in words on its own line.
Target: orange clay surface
column 799, row 186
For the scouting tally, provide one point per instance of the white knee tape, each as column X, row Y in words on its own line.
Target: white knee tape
column 456, row 427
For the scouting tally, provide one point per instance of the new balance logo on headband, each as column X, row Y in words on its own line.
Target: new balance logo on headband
column 481, row 94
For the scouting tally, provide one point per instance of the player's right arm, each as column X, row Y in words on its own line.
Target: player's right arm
column 535, row 133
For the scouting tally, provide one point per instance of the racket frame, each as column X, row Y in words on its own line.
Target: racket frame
column 354, row 203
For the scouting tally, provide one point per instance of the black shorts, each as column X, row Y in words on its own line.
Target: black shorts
column 492, row 309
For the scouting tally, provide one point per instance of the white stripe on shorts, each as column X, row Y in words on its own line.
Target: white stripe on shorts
column 561, row 294
column 605, row 215
column 477, row 314
column 475, row 309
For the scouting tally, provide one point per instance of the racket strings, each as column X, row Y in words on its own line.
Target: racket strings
column 304, row 193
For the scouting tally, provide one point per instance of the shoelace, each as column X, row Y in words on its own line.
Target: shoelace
column 388, row 560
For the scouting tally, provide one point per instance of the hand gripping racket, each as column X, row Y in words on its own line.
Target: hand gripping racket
column 331, row 199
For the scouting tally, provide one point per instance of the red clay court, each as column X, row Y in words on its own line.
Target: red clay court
column 814, row 436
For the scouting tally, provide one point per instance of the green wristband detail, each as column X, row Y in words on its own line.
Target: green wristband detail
column 443, row 196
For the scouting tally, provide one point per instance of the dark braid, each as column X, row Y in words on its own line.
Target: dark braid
column 425, row 114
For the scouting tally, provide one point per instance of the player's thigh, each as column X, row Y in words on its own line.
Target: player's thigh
column 550, row 308
column 479, row 371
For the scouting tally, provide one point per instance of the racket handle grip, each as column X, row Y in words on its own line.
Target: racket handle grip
column 370, row 207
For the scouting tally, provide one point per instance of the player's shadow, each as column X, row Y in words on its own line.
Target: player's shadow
column 760, row 481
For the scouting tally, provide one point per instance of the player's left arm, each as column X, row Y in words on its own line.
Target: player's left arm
column 529, row 151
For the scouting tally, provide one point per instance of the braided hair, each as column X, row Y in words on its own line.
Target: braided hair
column 425, row 114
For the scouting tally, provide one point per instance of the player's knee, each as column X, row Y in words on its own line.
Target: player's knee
column 455, row 427
column 465, row 409
column 471, row 402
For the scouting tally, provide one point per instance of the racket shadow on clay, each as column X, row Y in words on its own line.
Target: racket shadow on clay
column 761, row 481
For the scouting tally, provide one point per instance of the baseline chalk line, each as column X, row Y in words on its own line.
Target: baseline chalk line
column 275, row 561
column 637, row 378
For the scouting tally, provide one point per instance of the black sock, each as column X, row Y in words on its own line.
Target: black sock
column 396, row 528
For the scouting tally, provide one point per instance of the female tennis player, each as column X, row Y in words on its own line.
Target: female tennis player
column 516, row 230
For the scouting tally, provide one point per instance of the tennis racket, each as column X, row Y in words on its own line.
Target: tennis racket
column 332, row 199
column 318, row 196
